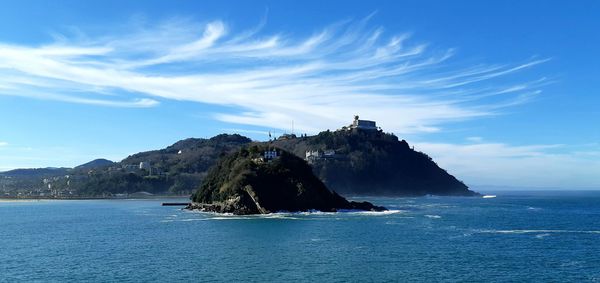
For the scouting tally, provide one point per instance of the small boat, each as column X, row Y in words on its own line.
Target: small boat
column 489, row 196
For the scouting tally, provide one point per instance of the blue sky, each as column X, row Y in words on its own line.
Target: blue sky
column 499, row 93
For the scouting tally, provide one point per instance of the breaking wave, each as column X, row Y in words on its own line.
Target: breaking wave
column 433, row 216
column 541, row 231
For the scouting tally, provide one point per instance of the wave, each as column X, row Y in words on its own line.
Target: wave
column 375, row 213
column 303, row 215
column 538, row 231
column 192, row 219
column 433, row 216
column 541, row 236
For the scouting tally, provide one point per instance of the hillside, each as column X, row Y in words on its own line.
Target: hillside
column 94, row 164
column 351, row 162
column 35, row 172
column 373, row 163
column 247, row 182
column 176, row 169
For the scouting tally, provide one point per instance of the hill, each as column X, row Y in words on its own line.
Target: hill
column 35, row 172
column 94, row 164
column 372, row 163
column 189, row 156
column 261, row 180
column 176, row 169
column 349, row 161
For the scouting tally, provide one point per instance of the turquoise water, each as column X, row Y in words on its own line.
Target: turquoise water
column 542, row 237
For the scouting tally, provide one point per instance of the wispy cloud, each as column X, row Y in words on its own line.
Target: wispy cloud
column 549, row 165
column 268, row 80
column 3, row 143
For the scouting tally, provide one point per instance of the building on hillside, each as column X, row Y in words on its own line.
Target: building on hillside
column 312, row 156
column 269, row 155
column 145, row 166
column 287, row 137
column 363, row 124
column 130, row 168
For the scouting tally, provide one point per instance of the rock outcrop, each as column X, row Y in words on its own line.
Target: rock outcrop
column 247, row 182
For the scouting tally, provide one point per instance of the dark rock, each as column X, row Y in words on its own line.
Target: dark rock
column 246, row 183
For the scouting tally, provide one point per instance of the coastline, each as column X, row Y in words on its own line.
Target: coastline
column 12, row 198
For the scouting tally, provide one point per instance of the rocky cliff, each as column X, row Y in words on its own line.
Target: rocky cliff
column 246, row 182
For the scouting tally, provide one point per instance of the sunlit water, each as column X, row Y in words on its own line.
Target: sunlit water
column 514, row 237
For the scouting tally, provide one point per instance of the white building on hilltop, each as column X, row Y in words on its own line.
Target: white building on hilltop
column 363, row 124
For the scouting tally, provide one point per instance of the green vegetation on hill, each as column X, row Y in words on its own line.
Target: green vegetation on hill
column 94, row 164
column 191, row 156
column 177, row 169
column 358, row 162
column 246, row 183
column 374, row 163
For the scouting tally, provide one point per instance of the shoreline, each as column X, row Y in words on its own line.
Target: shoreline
column 4, row 198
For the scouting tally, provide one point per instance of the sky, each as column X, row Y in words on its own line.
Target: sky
column 499, row 93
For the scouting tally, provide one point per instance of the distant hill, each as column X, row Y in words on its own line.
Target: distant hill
column 190, row 156
column 97, row 163
column 176, row 169
column 35, row 172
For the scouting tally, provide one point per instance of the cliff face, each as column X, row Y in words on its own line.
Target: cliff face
column 373, row 163
column 246, row 183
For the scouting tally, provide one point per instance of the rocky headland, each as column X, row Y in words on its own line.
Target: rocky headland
column 262, row 179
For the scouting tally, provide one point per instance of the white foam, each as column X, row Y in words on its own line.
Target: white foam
column 228, row 218
column 433, row 216
column 192, row 219
column 541, row 231
column 489, row 196
column 304, row 215
column 385, row 212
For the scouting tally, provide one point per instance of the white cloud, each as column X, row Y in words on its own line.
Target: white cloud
column 319, row 81
column 3, row 143
column 507, row 165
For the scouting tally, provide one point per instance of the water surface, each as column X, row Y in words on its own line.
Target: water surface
column 513, row 237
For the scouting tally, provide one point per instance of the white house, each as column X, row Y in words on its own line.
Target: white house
column 312, row 154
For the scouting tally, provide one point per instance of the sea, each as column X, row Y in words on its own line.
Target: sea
column 513, row 237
